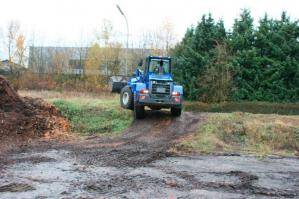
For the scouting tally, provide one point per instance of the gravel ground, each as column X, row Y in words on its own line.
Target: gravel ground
column 137, row 164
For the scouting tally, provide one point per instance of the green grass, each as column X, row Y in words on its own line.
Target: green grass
column 250, row 107
column 245, row 133
column 94, row 116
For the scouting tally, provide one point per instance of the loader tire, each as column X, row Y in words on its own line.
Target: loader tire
column 176, row 112
column 126, row 98
column 139, row 112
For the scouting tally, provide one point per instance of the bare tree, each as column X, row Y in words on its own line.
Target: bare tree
column 168, row 35
column 165, row 37
column 149, row 40
column 58, row 62
column 81, row 52
column 13, row 29
column 20, row 50
column 110, row 50
column 161, row 40
column 107, row 31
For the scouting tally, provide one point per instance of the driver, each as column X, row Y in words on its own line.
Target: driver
column 160, row 69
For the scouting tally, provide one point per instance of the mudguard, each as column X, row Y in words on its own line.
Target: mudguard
column 140, row 86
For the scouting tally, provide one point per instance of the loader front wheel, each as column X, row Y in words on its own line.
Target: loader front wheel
column 126, row 98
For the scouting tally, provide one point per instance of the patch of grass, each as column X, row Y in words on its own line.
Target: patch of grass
column 250, row 107
column 91, row 116
column 246, row 133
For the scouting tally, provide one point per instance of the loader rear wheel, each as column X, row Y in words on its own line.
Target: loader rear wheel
column 176, row 111
column 139, row 112
column 126, row 98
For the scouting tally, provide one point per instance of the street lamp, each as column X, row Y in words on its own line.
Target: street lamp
column 127, row 49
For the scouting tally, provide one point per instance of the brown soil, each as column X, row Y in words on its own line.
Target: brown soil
column 143, row 142
column 23, row 118
column 138, row 164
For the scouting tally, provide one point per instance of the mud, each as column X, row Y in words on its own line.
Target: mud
column 137, row 164
column 16, row 187
column 145, row 141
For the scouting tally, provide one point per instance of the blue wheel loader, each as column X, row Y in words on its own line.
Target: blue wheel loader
column 152, row 85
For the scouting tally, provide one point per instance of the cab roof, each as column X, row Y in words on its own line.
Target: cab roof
column 159, row 57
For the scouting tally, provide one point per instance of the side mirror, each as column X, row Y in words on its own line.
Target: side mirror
column 140, row 63
column 137, row 72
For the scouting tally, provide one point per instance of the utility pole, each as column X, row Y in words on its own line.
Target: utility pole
column 127, row 45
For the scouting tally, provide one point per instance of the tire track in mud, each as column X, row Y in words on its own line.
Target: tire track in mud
column 244, row 184
column 145, row 141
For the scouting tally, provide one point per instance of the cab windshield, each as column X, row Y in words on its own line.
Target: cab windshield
column 159, row 66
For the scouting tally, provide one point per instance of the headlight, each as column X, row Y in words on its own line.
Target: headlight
column 175, row 93
column 144, row 91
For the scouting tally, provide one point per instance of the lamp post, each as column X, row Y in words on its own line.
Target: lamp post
column 127, row 45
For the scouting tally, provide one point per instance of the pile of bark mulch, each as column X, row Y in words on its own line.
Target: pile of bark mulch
column 23, row 119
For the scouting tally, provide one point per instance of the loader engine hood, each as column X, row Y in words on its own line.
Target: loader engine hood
column 165, row 77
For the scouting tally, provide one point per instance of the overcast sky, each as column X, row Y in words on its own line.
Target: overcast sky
column 73, row 22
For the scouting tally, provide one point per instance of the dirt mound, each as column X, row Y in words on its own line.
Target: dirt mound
column 24, row 118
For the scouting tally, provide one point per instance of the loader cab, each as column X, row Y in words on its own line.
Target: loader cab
column 153, row 63
column 157, row 67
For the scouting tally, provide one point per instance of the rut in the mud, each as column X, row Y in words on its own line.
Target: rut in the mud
column 145, row 141
column 244, row 184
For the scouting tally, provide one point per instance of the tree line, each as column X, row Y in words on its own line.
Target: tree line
column 247, row 63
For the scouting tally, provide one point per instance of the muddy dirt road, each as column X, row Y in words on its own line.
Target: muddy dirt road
column 137, row 164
